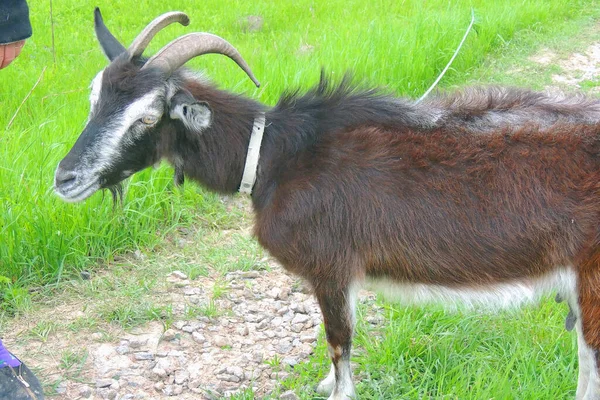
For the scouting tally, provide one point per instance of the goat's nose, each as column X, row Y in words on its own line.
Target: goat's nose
column 64, row 177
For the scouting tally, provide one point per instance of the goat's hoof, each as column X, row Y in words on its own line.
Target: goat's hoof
column 325, row 387
column 337, row 396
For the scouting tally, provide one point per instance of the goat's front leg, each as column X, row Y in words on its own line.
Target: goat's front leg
column 338, row 307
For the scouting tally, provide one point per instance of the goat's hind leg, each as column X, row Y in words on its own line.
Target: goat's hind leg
column 338, row 307
column 588, row 330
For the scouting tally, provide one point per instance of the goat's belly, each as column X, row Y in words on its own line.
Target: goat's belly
column 491, row 297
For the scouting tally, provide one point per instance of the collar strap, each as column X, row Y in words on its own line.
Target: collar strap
column 249, row 176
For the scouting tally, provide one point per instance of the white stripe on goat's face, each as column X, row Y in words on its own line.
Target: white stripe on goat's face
column 120, row 137
column 126, row 127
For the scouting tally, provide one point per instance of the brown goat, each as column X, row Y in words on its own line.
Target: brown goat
column 487, row 197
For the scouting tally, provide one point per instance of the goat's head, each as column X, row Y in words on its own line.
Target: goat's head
column 133, row 101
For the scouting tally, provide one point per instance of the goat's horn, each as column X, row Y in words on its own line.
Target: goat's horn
column 143, row 39
column 183, row 49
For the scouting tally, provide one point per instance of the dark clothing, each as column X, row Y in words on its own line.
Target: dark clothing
column 19, row 384
column 14, row 21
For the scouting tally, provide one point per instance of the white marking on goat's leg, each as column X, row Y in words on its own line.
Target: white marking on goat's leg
column 588, row 386
column 325, row 387
column 586, row 360
column 338, row 308
column 592, row 391
column 344, row 387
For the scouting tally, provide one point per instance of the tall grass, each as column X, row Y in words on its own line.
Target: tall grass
column 398, row 44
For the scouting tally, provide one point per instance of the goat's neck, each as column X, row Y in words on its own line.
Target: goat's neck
column 215, row 157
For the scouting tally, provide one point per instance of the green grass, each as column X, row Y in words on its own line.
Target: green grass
column 427, row 353
column 402, row 45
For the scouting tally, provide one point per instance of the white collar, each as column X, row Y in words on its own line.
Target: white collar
column 249, row 176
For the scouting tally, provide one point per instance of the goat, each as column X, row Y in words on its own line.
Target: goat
column 489, row 196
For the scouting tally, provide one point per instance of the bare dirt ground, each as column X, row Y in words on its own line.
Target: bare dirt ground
column 224, row 332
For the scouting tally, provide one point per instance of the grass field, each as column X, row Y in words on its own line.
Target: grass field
column 402, row 45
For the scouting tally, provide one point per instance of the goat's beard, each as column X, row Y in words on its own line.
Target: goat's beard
column 116, row 191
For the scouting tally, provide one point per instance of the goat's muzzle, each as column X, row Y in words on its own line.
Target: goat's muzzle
column 71, row 186
column 64, row 179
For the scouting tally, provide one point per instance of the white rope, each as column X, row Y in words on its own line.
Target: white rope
column 452, row 59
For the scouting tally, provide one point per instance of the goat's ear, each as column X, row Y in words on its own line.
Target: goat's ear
column 195, row 115
column 111, row 47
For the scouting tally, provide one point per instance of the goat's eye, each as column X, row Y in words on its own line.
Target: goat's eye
column 149, row 120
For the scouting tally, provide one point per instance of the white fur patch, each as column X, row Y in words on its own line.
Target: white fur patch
column 491, row 297
column 586, row 357
column 196, row 116
column 114, row 134
column 96, row 86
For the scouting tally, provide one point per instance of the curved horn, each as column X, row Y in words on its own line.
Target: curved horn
column 143, row 39
column 183, row 49
column 110, row 45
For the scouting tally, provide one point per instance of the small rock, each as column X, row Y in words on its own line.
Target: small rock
column 183, row 283
column 194, row 384
column 291, row 361
column 97, row 336
column 85, row 391
column 300, row 319
column 307, row 338
column 158, row 374
column 193, row 326
column 170, row 390
column 285, row 346
column 122, row 349
column 102, row 383
column 144, row 355
column 192, row 291
column 177, row 390
column 220, row 341
column 257, row 357
column 252, row 375
column 181, row 376
column 236, row 371
column 274, row 293
column 137, row 343
column 282, row 310
column 169, row 335
column 86, row 276
column 159, row 386
column 111, row 394
column 262, row 325
column 179, row 324
column 61, row 388
column 289, row 395
column 228, row 378
column 244, row 331
column 198, row 337
column 249, row 274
